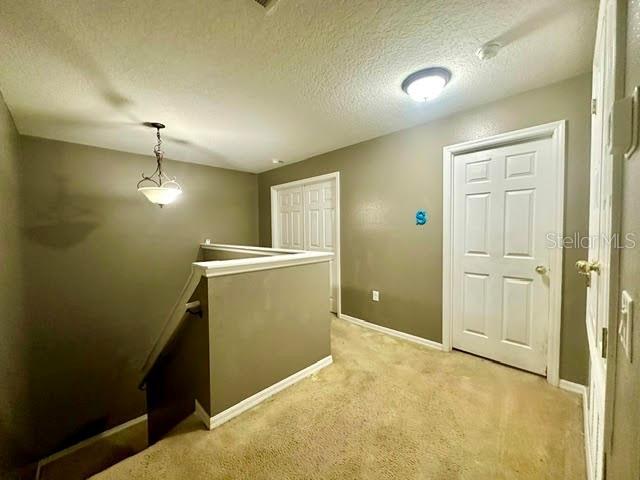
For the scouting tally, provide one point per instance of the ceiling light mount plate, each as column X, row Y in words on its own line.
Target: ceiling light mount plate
column 426, row 84
column 155, row 125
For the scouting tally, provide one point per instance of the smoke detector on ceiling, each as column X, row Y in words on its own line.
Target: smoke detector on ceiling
column 268, row 5
column 488, row 50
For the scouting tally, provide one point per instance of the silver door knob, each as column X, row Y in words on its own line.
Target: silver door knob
column 541, row 269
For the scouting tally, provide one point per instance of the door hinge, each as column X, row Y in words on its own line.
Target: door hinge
column 623, row 124
column 594, row 106
column 605, row 341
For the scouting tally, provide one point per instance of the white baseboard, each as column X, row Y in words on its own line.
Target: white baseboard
column 393, row 333
column 587, row 441
column 87, row 442
column 573, row 387
column 582, row 391
column 252, row 401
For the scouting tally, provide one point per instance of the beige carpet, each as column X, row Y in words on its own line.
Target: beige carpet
column 386, row 409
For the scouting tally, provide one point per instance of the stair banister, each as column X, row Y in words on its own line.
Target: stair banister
column 175, row 318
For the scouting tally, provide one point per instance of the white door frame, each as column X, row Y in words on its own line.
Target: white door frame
column 556, row 132
column 335, row 177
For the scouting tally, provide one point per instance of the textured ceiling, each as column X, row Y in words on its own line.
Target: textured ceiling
column 238, row 85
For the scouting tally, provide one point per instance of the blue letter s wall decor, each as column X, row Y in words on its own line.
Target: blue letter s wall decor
column 421, row 217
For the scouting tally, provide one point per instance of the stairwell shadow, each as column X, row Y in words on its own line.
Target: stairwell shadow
column 540, row 19
column 60, row 44
column 64, row 222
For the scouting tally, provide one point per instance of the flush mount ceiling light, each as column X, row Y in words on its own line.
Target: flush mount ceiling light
column 159, row 188
column 427, row 84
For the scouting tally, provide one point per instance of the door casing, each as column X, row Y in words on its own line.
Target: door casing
column 335, row 177
column 556, row 132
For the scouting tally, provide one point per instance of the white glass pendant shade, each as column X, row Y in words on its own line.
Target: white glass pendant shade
column 160, row 195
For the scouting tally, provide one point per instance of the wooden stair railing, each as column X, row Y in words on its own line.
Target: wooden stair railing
column 184, row 306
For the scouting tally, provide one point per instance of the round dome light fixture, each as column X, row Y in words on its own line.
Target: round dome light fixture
column 427, row 84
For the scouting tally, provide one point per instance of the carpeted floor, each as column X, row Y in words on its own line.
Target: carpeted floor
column 385, row 409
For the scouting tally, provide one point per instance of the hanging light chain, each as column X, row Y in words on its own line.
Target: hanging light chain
column 159, row 156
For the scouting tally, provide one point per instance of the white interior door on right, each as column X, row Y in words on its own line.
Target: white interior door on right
column 503, row 212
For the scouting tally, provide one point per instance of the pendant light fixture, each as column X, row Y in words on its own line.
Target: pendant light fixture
column 159, row 188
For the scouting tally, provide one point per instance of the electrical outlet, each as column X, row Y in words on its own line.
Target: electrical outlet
column 625, row 327
column 375, row 294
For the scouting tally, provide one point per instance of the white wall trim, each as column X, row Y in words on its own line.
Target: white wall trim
column 88, row 441
column 218, row 268
column 555, row 131
column 306, row 181
column 582, row 391
column 573, row 387
column 335, row 176
column 394, row 333
column 252, row 401
column 245, row 248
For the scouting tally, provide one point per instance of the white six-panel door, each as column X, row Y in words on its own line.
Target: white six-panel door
column 600, row 234
column 595, row 406
column 503, row 212
column 319, row 225
column 290, row 222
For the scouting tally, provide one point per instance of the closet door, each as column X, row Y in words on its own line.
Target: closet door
column 290, row 224
column 320, row 225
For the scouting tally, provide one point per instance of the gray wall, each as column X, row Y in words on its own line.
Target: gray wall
column 265, row 326
column 624, row 457
column 13, row 387
column 385, row 180
column 105, row 267
column 256, row 329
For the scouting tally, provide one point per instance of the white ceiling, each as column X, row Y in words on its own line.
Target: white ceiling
column 237, row 87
